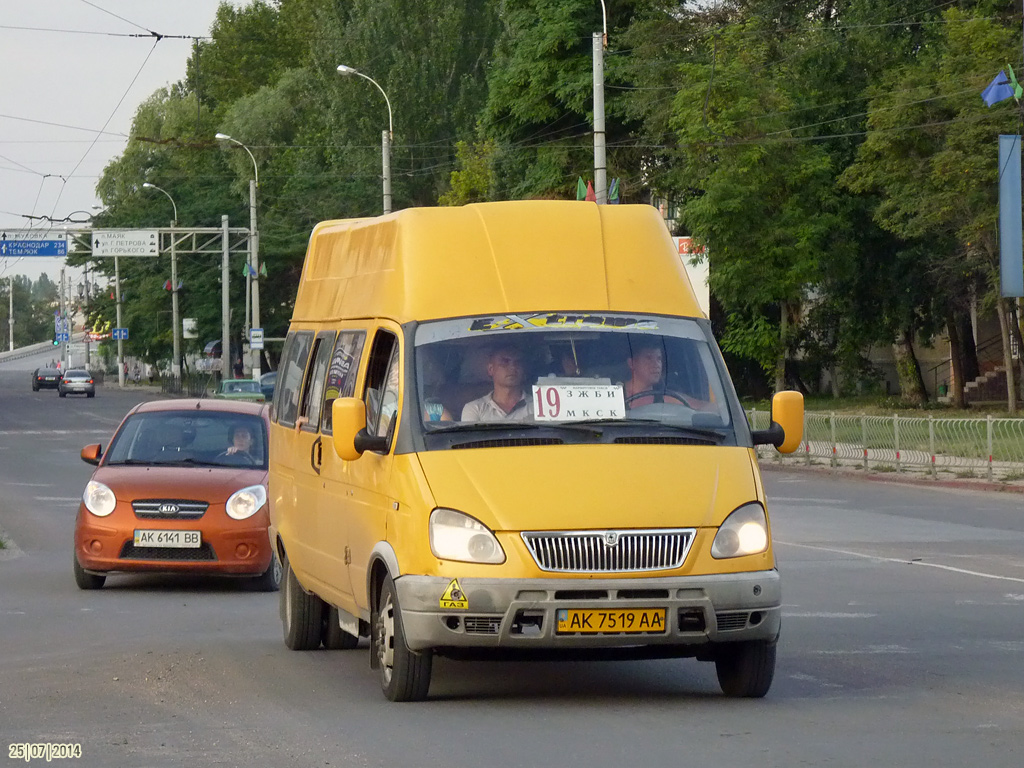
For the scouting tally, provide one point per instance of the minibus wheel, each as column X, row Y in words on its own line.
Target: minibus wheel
column 404, row 674
column 334, row 637
column 301, row 613
column 746, row 670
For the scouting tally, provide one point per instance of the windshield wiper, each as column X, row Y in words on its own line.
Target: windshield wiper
column 707, row 432
column 488, row 425
column 131, row 463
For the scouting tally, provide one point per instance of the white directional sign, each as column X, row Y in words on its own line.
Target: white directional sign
column 125, row 242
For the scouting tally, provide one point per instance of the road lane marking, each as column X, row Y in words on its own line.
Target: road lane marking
column 13, row 432
column 897, row 561
column 56, row 498
column 827, row 615
column 33, row 485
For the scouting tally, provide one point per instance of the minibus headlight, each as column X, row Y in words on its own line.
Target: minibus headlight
column 246, row 502
column 99, row 499
column 744, row 532
column 455, row 536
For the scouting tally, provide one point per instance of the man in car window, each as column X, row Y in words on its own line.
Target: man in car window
column 508, row 400
column 646, row 364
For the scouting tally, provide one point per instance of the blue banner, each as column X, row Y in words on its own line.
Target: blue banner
column 1011, row 254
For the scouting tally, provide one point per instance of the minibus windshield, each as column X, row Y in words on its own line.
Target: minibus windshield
column 563, row 370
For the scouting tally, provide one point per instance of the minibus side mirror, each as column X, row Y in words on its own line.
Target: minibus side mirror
column 91, row 454
column 350, row 438
column 348, row 415
column 787, row 423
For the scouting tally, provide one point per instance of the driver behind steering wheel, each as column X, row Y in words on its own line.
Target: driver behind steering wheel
column 241, row 442
column 646, row 364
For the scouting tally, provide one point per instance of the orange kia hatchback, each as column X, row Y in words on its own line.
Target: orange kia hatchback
column 182, row 488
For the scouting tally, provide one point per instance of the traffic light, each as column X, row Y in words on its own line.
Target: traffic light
column 56, row 343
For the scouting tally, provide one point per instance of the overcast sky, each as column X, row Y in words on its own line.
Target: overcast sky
column 71, row 84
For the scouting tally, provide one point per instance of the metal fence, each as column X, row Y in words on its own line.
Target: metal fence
column 991, row 448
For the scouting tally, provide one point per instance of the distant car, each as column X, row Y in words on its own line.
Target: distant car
column 48, row 378
column 267, row 383
column 182, row 488
column 77, row 381
column 240, row 389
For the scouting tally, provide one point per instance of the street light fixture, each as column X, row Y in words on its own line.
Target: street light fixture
column 386, row 136
column 176, row 363
column 252, row 275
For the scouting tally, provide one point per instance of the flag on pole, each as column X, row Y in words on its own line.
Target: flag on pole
column 613, row 192
column 581, row 189
column 263, row 269
column 1000, row 89
column 167, row 287
column 591, row 195
column 247, row 270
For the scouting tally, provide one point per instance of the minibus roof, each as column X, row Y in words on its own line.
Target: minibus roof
column 489, row 258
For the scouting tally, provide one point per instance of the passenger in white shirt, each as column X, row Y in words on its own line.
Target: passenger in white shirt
column 509, row 400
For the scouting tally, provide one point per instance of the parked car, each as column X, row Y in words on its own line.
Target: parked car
column 182, row 488
column 77, row 381
column 48, row 378
column 240, row 389
column 267, row 383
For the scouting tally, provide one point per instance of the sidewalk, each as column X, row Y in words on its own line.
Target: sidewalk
column 899, row 478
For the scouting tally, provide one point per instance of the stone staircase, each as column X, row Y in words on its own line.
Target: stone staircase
column 990, row 386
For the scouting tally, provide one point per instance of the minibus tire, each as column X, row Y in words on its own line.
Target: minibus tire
column 334, row 637
column 746, row 670
column 86, row 580
column 407, row 678
column 302, row 614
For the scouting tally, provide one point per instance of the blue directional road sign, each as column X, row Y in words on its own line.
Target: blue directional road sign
column 119, row 333
column 63, row 337
column 19, row 247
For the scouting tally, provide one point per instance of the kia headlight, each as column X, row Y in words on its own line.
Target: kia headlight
column 99, row 499
column 246, row 502
column 455, row 536
column 744, row 532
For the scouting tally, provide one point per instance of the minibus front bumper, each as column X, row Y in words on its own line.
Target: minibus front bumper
column 527, row 613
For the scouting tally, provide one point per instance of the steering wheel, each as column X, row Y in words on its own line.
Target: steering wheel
column 241, row 457
column 664, row 391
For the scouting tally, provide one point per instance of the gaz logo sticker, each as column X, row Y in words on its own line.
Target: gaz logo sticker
column 454, row 597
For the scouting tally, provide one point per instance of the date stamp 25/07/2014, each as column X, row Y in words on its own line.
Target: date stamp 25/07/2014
column 44, row 750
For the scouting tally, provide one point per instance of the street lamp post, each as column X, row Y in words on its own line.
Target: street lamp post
column 176, row 363
column 253, row 273
column 385, row 138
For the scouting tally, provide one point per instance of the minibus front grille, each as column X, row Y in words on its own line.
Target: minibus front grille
column 627, row 551
column 509, row 443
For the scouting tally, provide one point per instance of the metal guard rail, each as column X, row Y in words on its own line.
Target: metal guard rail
column 992, row 448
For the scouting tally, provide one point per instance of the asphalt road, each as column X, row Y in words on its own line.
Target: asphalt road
column 902, row 645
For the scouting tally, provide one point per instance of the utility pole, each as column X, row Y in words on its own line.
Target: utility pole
column 254, row 273
column 600, row 161
column 88, row 328
column 120, row 341
column 10, row 311
column 225, row 310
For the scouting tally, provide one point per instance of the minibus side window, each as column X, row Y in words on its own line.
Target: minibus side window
column 341, row 375
column 381, row 392
column 293, row 366
column 312, row 396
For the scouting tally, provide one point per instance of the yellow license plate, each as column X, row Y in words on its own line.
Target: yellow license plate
column 612, row 621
